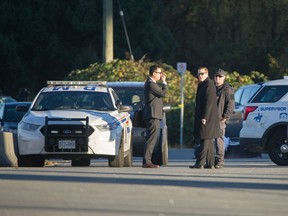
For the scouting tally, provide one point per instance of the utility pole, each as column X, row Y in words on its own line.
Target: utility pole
column 107, row 31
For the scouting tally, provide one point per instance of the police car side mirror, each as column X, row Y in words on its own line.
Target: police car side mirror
column 118, row 104
column 125, row 108
column 22, row 108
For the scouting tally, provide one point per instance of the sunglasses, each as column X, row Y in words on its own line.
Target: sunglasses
column 200, row 74
column 218, row 76
column 158, row 72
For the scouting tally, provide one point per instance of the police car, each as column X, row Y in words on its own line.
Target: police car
column 76, row 121
column 265, row 121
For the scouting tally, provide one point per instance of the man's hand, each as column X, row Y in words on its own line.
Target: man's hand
column 223, row 120
column 163, row 77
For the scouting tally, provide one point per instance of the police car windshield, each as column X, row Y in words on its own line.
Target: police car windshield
column 73, row 100
column 270, row 94
column 131, row 96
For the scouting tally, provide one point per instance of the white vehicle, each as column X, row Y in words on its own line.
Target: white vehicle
column 76, row 121
column 265, row 121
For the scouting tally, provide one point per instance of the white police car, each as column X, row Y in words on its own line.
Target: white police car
column 265, row 125
column 76, row 121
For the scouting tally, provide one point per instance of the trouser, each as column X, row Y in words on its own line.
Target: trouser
column 206, row 152
column 152, row 129
column 220, row 145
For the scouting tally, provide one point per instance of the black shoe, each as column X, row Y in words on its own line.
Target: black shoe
column 219, row 166
column 196, row 166
column 208, row 167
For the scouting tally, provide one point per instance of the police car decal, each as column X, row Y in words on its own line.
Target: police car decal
column 283, row 115
column 272, row 108
column 258, row 117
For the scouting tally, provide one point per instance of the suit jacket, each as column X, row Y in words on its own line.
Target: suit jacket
column 153, row 95
column 206, row 108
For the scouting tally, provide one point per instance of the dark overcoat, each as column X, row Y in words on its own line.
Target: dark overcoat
column 206, row 108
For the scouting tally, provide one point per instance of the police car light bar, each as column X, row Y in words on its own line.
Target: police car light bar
column 76, row 83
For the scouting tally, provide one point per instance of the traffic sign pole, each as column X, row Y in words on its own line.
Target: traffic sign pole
column 181, row 67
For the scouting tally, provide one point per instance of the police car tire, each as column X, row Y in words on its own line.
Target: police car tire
column 81, row 162
column 118, row 160
column 24, row 161
column 276, row 140
column 128, row 160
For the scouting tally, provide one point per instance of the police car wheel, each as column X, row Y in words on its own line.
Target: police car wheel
column 278, row 147
column 118, row 160
column 24, row 161
column 128, row 160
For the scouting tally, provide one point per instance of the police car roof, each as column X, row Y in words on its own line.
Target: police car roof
column 75, row 83
column 283, row 81
column 98, row 86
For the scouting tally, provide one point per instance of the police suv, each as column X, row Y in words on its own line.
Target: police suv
column 77, row 121
column 265, row 121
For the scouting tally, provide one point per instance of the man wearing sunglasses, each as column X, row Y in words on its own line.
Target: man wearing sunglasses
column 153, row 111
column 225, row 104
column 206, row 120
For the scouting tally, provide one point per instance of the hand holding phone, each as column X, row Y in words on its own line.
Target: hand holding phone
column 163, row 77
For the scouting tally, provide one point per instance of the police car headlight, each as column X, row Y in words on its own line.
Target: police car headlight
column 29, row 127
column 106, row 127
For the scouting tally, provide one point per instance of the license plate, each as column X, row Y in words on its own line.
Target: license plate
column 66, row 144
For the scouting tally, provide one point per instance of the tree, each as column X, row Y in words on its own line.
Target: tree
column 235, row 35
column 42, row 40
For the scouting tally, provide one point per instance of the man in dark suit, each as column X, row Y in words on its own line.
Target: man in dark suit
column 153, row 111
column 206, row 124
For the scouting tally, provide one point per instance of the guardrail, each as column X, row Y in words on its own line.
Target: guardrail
column 8, row 149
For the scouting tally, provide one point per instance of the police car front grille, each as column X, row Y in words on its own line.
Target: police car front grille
column 66, row 137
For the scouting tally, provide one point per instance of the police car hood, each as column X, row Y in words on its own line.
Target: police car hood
column 94, row 117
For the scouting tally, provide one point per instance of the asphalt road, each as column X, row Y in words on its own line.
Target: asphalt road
column 246, row 186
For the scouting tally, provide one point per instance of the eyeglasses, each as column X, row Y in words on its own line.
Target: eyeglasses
column 218, row 76
column 158, row 72
column 200, row 74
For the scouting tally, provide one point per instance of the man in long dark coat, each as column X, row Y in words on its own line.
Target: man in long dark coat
column 206, row 124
